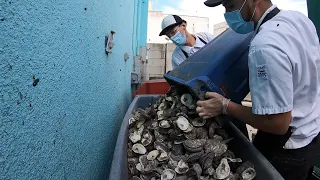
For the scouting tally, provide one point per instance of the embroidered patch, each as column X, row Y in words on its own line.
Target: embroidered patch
column 262, row 71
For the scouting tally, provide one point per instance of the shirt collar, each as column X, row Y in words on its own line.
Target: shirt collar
column 263, row 16
column 198, row 44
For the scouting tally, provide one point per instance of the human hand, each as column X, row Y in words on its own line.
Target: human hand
column 213, row 106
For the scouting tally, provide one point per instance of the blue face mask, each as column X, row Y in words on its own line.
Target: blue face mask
column 236, row 22
column 179, row 39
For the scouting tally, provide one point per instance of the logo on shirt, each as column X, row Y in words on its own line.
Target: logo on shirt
column 262, row 71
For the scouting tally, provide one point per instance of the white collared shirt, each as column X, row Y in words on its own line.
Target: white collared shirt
column 284, row 68
column 178, row 57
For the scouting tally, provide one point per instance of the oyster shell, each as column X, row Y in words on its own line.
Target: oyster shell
column 160, row 115
column 147, row 165
column 186, row 99
column 164, row 124
column 236, row 160
column 182, row 167
column 178, row 149
column 198, row 122
column 168, row 174
column 197, row 133
column 134, row 136
column 172, row 164
column 139, row 167
column 132, row 163
column 206, row 160
column 233, row 177
column 147, row 138
column 132, row 120
column 223, row 170
column 181, row 178
column 212, row 128
column 184, row 110
column 183, row 123
column 153, row 155
column 163, row 156
column 160, row 146
column 189, row 129
column 246, row 171
column 222, row 133
column 140, row 123
column 194, row 157
column 194, row 145
column 197, row 168
column 136, row 178
column 162, row 107
column 153, row 125
column 213, row 145
column 158, row 136
column 210, row 171
column 139, row 149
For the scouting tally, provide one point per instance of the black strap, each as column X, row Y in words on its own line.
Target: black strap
column 204, row 42
column 186, row 54
column 269, row 16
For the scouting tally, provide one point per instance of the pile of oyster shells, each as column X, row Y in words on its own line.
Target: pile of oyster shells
column 168, row 140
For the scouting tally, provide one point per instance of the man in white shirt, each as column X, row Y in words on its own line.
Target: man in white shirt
column 284, row 68
column 187, row 44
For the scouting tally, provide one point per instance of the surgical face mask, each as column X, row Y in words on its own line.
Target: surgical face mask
column 236, row 22
column 179, row 39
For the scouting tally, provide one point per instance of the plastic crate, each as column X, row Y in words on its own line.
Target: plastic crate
column 160, row 86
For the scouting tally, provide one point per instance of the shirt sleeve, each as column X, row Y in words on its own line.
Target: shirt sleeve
column 270, row 80
column 206, row 36
column 210, row 37
column 177, row 58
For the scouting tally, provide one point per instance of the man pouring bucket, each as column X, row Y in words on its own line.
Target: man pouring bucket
column 284, row 79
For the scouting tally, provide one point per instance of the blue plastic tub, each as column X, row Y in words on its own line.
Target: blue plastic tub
column 220, row 66
column 239, row 145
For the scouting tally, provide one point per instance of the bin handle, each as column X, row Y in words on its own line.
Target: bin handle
column 202, row 84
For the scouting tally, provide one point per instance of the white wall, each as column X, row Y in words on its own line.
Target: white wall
column 159, row 60
column 219, row 28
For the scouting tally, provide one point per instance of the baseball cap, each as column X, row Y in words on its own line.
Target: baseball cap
column 213, row 3
column 170, row 21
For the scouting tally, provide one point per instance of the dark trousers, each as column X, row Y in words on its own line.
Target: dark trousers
column 241, row 126
column 292, row 164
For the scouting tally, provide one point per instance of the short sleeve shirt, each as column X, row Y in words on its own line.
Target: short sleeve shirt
column 284, row 68
column 178, row 56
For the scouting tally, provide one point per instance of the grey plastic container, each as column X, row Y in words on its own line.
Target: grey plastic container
column 239, row 145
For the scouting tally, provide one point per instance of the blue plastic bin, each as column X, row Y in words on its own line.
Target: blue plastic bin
column 239, row 145
column 220, row 66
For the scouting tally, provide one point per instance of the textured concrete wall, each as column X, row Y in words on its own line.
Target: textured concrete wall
column 220, row 28
column 64, row 126
column 159, row 60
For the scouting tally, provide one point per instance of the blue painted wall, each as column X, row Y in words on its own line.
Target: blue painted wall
column 141, row 25
column 66, row 126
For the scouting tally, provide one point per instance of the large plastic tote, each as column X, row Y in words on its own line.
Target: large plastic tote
column 239, row 145
column 220, row 66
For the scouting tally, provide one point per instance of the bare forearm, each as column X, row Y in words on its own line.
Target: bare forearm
column 261, row 122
